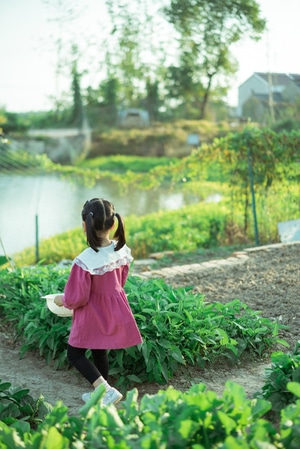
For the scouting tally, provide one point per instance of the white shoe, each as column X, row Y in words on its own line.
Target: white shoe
column 112, row 396
column 86, row 396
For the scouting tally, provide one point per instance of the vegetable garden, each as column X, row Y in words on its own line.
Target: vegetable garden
column 180, row 328
column 196, row 416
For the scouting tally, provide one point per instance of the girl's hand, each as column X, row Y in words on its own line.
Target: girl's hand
column 58, row 300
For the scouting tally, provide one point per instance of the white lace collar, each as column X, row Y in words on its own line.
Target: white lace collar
column 106, row 259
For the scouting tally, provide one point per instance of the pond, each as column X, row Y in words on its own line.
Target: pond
column 57, row 203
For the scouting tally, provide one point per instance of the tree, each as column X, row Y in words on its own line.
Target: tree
column 124, row 60
column 137, row 52
column 77, row 116
column 152, row 100
column 207, row 29
column 63, row 14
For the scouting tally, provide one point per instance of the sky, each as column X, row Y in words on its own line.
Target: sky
column 28, row 55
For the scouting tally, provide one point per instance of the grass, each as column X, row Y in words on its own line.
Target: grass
column 122, row 163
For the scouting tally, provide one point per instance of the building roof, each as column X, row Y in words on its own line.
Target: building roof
column 280, row 79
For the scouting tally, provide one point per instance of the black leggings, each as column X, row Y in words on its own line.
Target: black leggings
column 91, row 371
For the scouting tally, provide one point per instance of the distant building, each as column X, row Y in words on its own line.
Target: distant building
column 133, row 118
column 262, row 91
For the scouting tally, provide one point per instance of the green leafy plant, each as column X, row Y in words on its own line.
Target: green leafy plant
column 285, row 368
column 19, row 409
column 22, row 305
column 123, row 163
column 178, row 327
column 290, row 419
column 197, row 418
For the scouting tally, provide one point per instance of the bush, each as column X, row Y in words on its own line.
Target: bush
column 19, row 409
column 285, row 368
column 177, row 326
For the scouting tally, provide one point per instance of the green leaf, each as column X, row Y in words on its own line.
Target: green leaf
column 18, row 395
column 21, row 426
column 187, row 428
column 260, row 407
column 5, row 386
column 176, row 354
column 134, row 378
column 54, row 439
column 294, row 387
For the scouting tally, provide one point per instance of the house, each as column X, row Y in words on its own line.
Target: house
column 133, row 118
column 262, row 93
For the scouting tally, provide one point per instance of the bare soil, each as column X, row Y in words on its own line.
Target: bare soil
column 268, row 281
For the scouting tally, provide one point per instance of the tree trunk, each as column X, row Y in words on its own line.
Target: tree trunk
column 206, row 97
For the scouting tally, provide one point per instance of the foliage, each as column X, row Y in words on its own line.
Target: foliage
column 22, row 306
column 191, row 228
column 286, row 125
column 13, row 122
column 19, row 410
column 138, row 80
column 250, row 161
column 123, row 163
column 101, row 107
column 23, row 163
column 197, row 418
column 4, row 260
column 66, row 246
column 77, row 115
column 20, row 161
column 201, row 34
column 207, row 30
column 290, row 419
column 187, row 229
column 177, row 326
column 161, row 139
column 154, row 141
column 285, row 368
column 273, row 158
column 60, row 117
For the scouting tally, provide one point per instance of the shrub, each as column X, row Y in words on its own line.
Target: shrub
column 285, row 368
column 177, row 326
column 19, row 409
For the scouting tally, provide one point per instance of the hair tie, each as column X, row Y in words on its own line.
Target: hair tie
column 91, row 213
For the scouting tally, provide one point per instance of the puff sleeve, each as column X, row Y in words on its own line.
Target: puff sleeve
column 77, row 289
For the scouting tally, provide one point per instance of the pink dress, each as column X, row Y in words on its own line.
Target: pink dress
column 102, row 317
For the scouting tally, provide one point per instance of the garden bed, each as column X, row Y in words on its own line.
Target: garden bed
column 269, row 281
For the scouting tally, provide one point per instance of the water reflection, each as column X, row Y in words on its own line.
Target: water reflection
column 58, row 204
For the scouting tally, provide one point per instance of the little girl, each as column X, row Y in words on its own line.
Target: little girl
column 102, row 318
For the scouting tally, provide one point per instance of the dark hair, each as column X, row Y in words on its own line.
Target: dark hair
column 99, row 215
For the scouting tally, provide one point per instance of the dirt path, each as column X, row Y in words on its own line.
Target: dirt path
column 268, row 280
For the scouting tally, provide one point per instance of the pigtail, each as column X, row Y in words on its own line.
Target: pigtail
column 120, row 233
column 92, row 238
